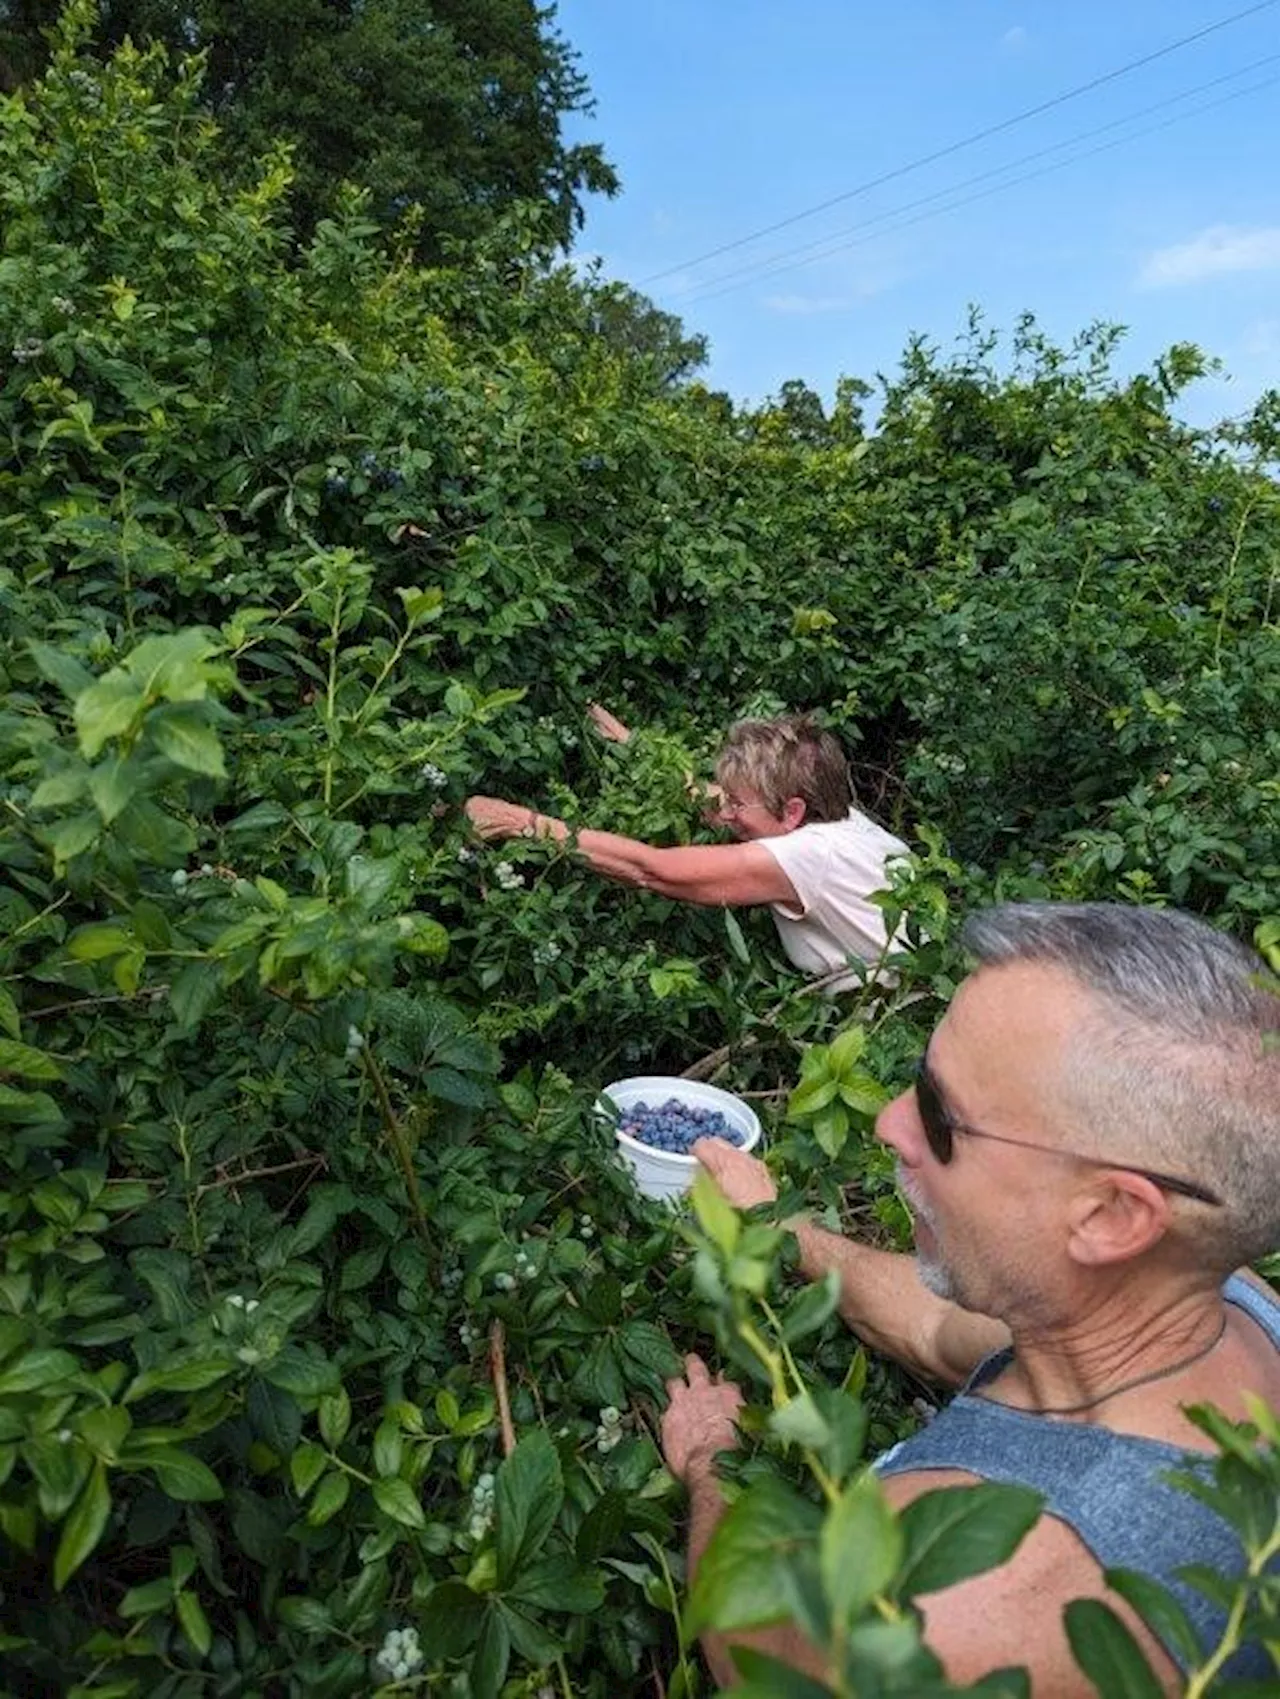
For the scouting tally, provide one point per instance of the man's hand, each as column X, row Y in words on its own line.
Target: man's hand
column 698, row 1422
column 490, row 817
column 743, row 1179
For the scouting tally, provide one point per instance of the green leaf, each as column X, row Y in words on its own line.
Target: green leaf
column 813, row 1306
column 799, row 1422
column 193, row 991
column 151, row 925
column 84, row 1526
column 452, row 1618
column 9, row 1018
column 327, row 1207
column 528, row 1493
column 862, row 1094
column 1108, row 1653
column 808, row 1098
column 61, row 668
column 182, row 1377
column 274, row 1415
column 396, row 1498
column 104, row 1430
column 183, row 1476
column 601, row 1527
column 303, row 1370
column 737, row 943
column 388, row 1448
column 529, row 1637
column 27, row 1062
column 748, row 1572
column 955, row 1532
column 106, row 710
column 61, row 788
column 28, row 1108
column 330, row 1497
column 558, row 1584
column 306, row 1466
column 492, row 1653
column 99, row 943
column 39, row 1368
column 74, row 836
column 602, row 1300
column 1160, row 1610
column 648, row 1346
column 716, row 1215
column 113, row 784
column 195, row 1624
column 1012, row 1683
column 334, row 1412
column 370, row 880
column 845, row 1049
column 767, row 1677
column 152, row 1596
column 859, row 1549
column 308, row 1616
column 847, row 1421
column 831, row 1129
column 184, row 735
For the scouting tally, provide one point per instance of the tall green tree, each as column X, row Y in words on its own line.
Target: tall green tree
column 456, row 105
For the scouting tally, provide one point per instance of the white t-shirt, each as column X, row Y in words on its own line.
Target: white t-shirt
column 834, row 866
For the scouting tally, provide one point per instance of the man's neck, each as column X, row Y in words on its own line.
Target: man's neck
column 1108, row 1344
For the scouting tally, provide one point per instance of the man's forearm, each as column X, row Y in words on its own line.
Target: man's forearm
column 884, row 1302
column 706, row 1507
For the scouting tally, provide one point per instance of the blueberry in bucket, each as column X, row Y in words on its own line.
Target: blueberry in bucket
column 675, row 1127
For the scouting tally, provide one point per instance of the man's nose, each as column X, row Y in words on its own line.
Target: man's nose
column 898, row 1126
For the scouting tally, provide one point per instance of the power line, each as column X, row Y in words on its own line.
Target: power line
column 982, row 194
column 968, row 141
column 819, row 248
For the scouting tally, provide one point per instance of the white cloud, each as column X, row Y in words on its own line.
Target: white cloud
column 1015, row 39
column 1219, row 251
column 797, row 305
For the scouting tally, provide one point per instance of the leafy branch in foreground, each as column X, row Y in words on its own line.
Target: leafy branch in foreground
column 843, row 1570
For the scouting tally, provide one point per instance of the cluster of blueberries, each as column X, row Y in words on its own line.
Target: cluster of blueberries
column 380, row 477
column 675, row 1127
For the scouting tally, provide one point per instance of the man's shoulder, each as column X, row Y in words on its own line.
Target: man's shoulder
column 1012, row 1614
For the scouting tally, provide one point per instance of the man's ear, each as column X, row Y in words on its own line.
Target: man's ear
column 793, row 812
column 1116, row 1217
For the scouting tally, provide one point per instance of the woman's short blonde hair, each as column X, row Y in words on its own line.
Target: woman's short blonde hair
column 785, row 758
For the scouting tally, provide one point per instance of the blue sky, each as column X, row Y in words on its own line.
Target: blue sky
column 726, row 116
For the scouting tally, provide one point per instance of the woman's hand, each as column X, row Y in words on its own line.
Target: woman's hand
column 607, row 724
column 490, row 817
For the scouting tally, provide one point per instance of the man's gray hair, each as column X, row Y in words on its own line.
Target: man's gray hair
column 1180, row 1067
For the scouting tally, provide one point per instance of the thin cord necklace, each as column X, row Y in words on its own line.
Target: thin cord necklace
column 1139, row 1380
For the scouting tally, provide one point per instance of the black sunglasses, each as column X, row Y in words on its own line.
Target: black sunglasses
column 941, row 1126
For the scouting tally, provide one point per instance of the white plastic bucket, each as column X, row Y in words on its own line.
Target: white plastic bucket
column 665, row 1173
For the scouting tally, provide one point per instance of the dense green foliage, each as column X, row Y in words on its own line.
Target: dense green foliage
column 298, row 547
column 454, row 105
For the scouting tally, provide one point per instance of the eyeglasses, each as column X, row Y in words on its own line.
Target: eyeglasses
column 941, row 1126
column 731, row 806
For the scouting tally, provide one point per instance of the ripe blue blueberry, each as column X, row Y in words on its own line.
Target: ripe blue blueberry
column 674, row 1126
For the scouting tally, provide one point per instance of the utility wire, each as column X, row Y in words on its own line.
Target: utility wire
column 983, row 194
column 786, row 258
column 969, row 140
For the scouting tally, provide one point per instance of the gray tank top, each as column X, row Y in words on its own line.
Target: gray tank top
column 1107, row 1487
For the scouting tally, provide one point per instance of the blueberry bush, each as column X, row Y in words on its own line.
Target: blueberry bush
column 332, row 1337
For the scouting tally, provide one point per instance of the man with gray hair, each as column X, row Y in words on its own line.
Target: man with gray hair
column 1091, row 1151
